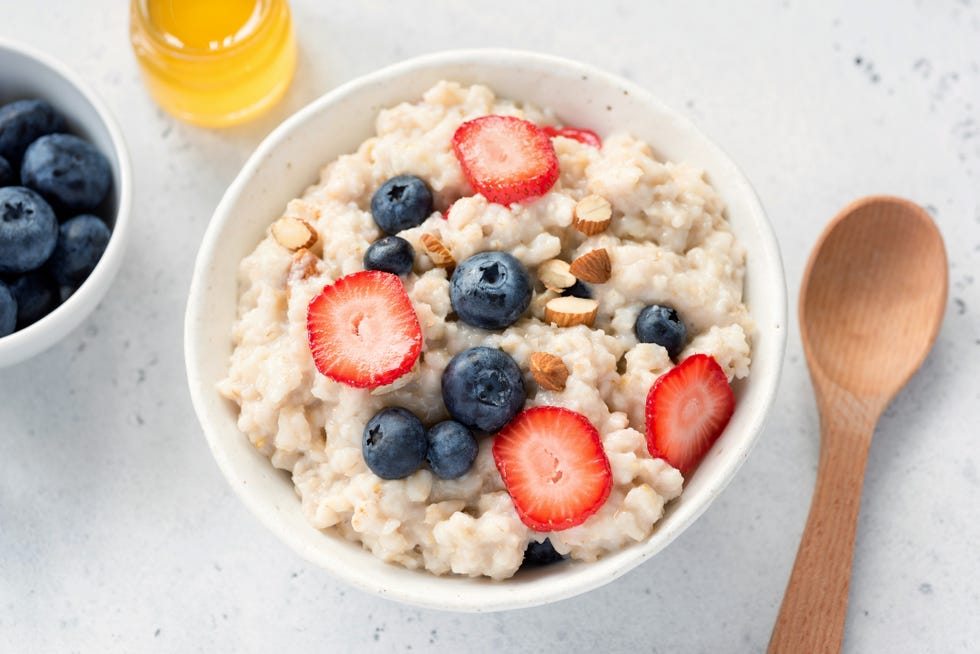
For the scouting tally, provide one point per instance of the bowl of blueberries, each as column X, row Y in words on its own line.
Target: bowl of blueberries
column 64, row 201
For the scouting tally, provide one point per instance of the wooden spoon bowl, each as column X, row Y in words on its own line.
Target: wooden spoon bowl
column 871, row 303
column 873, row 296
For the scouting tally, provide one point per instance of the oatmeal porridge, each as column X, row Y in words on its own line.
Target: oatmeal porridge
column 601, row 287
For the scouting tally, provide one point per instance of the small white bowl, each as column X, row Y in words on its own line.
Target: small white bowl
column 289, row 160
column 27, row 73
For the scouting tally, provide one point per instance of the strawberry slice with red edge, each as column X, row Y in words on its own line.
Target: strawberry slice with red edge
column 554, row 467
column 586, row 136
column 506, row 159
column 687, row 410
column 363, row 329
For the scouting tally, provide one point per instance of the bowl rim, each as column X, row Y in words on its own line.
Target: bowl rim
column 44, row 333
column 766, row 247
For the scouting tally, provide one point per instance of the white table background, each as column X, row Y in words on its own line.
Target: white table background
column 118, row 534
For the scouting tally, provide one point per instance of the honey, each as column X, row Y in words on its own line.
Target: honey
column 214, row 62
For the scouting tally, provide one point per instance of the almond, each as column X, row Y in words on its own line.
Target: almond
column 555, row 276
column 569, row 310
column 593, row 213
column 305, row 265
column 549, row 371
column 437, row 251
column 294, row 233
column 593, row 267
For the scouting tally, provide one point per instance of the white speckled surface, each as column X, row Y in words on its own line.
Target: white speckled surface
column 118, row 534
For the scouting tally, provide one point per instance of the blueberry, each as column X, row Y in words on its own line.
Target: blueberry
column 401, row 203
column 28, row 230
column 579, row 289
column 539, row 554
column 490, row 290
column 661, row 325
column 36, row 295
column 8, row 311
column 81, row 242
column 22, row 123
column 482, row 388
column 7, row 177
column 69, row 172
column 391, row 254
column 394, row 443
column 452, row 449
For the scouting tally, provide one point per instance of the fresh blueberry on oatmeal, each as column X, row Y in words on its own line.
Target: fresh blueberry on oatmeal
column 661, row 325
column 401, row 203
column 394, row 443
column 490, row 290
column 452, row 449
column 391, row 254
column 517, row 320
column 579, row 289
column 540, row 554
column 483, row 388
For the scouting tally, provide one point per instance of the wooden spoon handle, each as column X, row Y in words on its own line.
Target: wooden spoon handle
column 811, row 618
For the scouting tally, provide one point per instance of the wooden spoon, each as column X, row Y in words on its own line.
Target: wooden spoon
column 871, row 302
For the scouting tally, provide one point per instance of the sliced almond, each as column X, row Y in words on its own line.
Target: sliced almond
column 569, row 310
column 549, row 371
column 555, row 276
column 294, row 233
column 305, row 265
column 594, row 267
column 437, row 251
column 593, row 213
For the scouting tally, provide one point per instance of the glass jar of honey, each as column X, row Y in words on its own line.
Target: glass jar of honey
column 214, row 62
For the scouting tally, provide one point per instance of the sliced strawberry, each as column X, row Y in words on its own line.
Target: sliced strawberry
column 363, row 330
column 687, row 410
column 554, row 467
column 505, row 158
column 586, row 136
column 445, row 214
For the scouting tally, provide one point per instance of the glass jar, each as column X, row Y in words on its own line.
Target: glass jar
column 214, row 62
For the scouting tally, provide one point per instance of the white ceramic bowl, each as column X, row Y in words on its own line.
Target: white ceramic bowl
column 27, row 73
column 289, row 160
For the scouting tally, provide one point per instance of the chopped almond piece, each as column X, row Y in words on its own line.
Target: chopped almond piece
column 569, row 310
column 593, row 213
column 593, row 267
column 437, row 251
column 549, row 371
column 294, row 233
column 555, row 276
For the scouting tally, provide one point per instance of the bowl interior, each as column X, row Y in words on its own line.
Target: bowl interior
column 289, row 160
column 24, row 74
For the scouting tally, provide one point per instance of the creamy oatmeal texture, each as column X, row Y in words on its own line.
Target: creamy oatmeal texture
column 668, row 243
